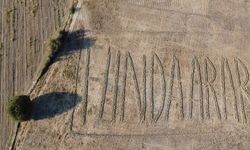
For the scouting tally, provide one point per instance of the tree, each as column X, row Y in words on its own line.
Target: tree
column 20, row 107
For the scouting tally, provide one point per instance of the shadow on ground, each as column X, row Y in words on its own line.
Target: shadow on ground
column 52, row 104
column 77, row 40
column 77, row 9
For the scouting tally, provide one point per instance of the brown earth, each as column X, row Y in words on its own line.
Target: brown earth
column 147, row 74
column 25, row 28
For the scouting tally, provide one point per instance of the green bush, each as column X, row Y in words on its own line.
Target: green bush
column 54, row 47
column 72, row 10
column 20, row 108
column 56, row 43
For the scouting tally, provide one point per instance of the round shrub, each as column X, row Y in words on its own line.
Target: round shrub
column 20, row 107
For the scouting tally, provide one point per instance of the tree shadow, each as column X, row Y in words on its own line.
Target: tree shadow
column 77, row 40
column 76, row 9
column 52, row 104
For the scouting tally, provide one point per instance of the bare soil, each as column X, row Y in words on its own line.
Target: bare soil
column 25, row 28
column 148, row 74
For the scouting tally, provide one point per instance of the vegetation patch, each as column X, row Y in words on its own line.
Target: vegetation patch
column 10, row 21
column 20, row 107
column 1, row 45
column 69, row 72
column 54, row 46
column 34, row 10
column 72, row 10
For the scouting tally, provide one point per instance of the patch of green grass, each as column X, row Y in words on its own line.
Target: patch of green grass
column 19, row 108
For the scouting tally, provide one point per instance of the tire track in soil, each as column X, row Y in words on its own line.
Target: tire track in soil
column 7, row 20
column 71, row 29
column 1, row 77
column 1, row 89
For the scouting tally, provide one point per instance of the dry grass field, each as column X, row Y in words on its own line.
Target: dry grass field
column 146, row 74
column 25, row 27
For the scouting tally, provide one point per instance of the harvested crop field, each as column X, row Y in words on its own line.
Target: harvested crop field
column 147, row 74
column 25, row 28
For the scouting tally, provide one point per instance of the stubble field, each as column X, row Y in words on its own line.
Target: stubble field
column 25, row 27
